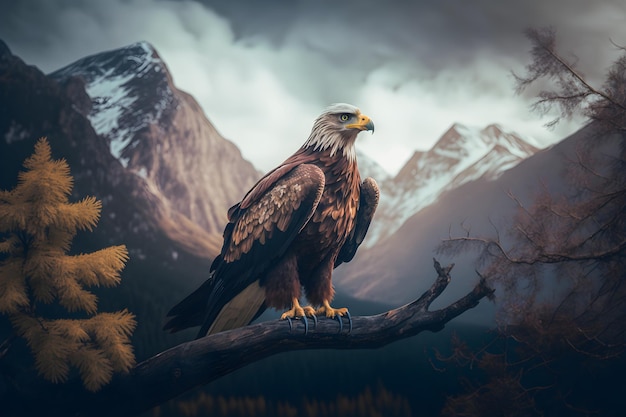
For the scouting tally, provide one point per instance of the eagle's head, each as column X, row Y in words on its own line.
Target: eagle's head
column 337, row 128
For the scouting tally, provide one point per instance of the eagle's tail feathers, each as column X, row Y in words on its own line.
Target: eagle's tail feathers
column 190, row 311
column 238, row 312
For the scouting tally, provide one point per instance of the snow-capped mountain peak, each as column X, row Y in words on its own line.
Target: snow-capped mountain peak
column 463, row 153
column 161, row 136
column 117, row 82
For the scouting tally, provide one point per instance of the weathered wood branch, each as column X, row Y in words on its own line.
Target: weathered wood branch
column 181, row 368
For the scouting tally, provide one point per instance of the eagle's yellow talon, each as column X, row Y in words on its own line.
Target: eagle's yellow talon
column 298, row 311
column 331, row 312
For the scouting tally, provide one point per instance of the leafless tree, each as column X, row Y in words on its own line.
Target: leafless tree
column 571, row 93
column 561, row 268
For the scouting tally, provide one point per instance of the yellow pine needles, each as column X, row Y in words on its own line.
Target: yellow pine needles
column 37, row 225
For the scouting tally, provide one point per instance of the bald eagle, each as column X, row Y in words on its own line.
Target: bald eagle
column 288, row 233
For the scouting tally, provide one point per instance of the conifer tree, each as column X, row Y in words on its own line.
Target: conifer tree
column 37, row 225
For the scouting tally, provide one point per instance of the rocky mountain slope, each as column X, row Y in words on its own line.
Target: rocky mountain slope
column 462, row 154
column 147, row 204
column 161, row 135
column 397, row 269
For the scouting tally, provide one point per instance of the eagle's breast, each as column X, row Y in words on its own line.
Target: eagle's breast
column 336, row 212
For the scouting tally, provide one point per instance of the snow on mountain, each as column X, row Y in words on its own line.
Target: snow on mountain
column 462, row 154
column 161, row 135
column 117, row 100
column 397, row 269
column 162, row 267
column 370, row 168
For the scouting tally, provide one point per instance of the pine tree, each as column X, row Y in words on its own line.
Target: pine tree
column 37, row 225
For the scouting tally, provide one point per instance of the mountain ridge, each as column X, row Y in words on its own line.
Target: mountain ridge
column 461, row 154
column 161, row 135
column 481, row 207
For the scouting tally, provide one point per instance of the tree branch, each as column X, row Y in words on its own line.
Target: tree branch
column 580, row 78
column 181, row 368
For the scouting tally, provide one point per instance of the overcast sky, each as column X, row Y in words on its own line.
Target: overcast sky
column 263, row 70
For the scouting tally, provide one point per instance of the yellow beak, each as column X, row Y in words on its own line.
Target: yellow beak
column 363, row 123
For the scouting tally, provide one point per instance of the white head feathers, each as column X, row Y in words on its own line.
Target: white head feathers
column 337, row 108
column 329, row 132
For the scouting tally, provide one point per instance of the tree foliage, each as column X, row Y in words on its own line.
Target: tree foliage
column 571, row 93
column 37, row 225
column 560, row 268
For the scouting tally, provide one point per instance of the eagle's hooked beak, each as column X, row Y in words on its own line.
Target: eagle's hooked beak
column 364, row 123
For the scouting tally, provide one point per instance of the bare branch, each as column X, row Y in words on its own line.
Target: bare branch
column 581, row 79
column 572, row 92
column 618, row 46
column 545, row 257
column 181, row 368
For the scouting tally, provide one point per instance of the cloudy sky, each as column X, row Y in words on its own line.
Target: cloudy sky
column 263, row 71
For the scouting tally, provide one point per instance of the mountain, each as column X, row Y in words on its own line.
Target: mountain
column 399, row 268
column 461, row 154
column 370, row 168
column 146, row 203
column 166, row 177
column 161, row 135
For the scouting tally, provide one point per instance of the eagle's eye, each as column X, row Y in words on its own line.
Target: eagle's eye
column 344, row 117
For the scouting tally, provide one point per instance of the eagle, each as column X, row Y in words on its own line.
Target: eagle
column 288, row 233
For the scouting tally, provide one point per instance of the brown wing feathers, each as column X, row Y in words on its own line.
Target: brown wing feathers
column 261, row 232
column 368, row 202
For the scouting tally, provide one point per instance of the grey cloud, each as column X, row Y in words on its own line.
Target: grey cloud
column 433, row 34
column 452, row 56
column 363, row 35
